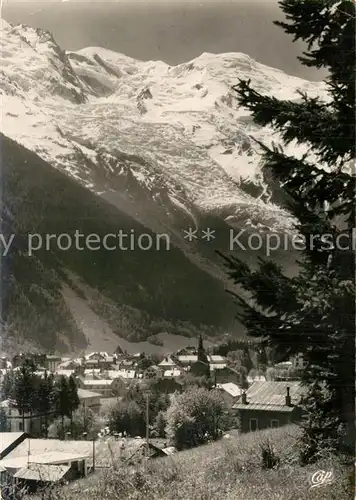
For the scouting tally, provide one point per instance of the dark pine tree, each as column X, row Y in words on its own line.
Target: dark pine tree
column 61, row 399
column 3, row 421
column 24, row 389
column 313, row 312
column 73, row 398
column 45, row 397
column 7, row 385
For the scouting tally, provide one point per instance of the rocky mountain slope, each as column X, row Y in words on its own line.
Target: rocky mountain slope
column 96, row 141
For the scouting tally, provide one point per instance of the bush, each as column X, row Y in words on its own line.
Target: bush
column 195, row 417
column 83, row 421
column 269, row 457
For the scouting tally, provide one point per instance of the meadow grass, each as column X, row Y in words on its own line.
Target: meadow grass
column 229, row 469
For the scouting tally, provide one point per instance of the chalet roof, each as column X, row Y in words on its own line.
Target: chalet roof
column 231, row 388
column 172, row 373
column 153, row 367
column 136, row 447
column 216, row 358
column 188, row 358
column 170, row 450
column 217, row 366
column 9, row 440
column 50, row 457
column 58, row 447
column 167, row 361
column 65, row 373
column 261, row 407
column 98, row 382
column 70, row 362
column 85, row 394
column 270, row 396
column 102, row 355
column 127, row 374
column 256, row 378
column 6, row 404
column 284, row 364
column 42, row 472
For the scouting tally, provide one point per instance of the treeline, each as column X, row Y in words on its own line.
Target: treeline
column 40, row 395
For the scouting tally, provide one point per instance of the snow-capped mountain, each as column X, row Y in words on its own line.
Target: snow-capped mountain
column 168, row 146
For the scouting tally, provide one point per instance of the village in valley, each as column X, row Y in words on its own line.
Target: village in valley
column 60, row 442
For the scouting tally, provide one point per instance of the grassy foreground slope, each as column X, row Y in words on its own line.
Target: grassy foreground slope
column 228, row 470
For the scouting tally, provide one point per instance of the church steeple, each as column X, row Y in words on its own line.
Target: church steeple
column 200, row 342
column 201, row 351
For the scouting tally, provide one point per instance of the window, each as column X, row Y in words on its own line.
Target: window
column 274, row 423
column 20, row 426
column 253, row 424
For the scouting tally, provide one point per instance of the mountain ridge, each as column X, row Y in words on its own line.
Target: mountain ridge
column 165, row 146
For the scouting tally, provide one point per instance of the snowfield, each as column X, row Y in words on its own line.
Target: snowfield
column 156, row 139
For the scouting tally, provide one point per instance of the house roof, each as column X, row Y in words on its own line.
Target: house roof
column 172, row 373
column 65, row 373
column 256, row 378
column 216, row 358
column 283, row 364
column 8, row 439
column 102, row 355
column 137, row 446
column 42, row 472
column 68, row 447
column 98, row 382
column 217, row 366
column 231, row 388
column 112, row 374
column 268, row 396
column 259, row 407
column 6, row 404
column 127, row 374
column 50, row 457
column 153, row 367
column 167, row 361
column 85, row 394
column 189, row 358
column 170, row 450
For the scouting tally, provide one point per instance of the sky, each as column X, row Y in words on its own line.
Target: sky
column 167, row 30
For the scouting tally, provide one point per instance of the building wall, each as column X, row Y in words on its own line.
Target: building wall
column 53, row 364
column 30, row 425
column 92, row 403
column 226, row 375
column 264, row 418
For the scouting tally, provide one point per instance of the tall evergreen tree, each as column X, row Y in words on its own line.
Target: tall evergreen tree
column 45, row 396
column 24, row 389
column 3, row 421
column 7, row 385
column 61, row 400
column 73, row 398
column 313, row 312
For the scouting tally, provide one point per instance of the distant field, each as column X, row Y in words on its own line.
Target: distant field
column 102, row 338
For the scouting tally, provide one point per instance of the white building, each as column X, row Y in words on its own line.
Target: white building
column 16, row 422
